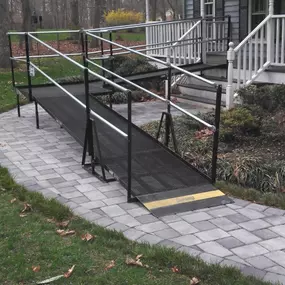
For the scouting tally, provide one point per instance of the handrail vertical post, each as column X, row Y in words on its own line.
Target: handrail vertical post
column 28, row 66
column 102, row 54
column 168, row 96
column 111, row 64
column 129, row 186
column 13, row 74
column 216, row 134
column 230, row 88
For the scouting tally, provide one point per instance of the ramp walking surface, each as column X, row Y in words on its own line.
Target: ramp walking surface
column 161, row 180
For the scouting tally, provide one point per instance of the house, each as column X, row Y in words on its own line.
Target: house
column 248, row 36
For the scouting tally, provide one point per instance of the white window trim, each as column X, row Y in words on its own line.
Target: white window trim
column 250, row 14
column 214, row 8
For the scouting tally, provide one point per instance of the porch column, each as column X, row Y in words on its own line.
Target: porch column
column 270, row 33
column 147, row 29
column 147, row 10
column 202, row 5
column 271, row 7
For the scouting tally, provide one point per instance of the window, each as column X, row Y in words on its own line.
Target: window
column 258, row 12
column 209, row 8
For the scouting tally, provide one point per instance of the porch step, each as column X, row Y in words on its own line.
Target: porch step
column 202, row 94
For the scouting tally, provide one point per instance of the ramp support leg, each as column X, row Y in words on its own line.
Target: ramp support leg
column 28, row 66
column 18, row 104
column 216, row 134
column 37, row 114
column 129, row 95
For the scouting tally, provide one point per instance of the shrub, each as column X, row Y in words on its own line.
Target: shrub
column 238, row 122
column 268, row 97
column 123, row 17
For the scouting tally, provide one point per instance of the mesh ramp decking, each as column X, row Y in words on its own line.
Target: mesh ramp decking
column 161, row 180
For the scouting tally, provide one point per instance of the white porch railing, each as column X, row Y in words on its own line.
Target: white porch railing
column 159, row 36
column 263, row 47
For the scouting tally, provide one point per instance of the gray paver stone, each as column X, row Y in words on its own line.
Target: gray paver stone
column 145, row 219
column 276, row 220
column 127, row 220
column 136, row 212
column 279, row 230
column 238, row 218
column 274, row 212
column 214, row 248
column 104, row 222
column 244, row 236
column 196, row 217
column 277, row 256
column 183, row 227
column 170, row 244
column 274, row 244
column 224, row 224
column 255, row 225
column 230, row 242
column 251, row 271
column 113, row 211
column 152, row 227
column 91, row 217
column 251, row 214
column 256, row 207
column 167, row 234
column 250, row 250
column 231, row 263
column 203, row 225
column 151, row 239
column 260, row 262
column 276, row 269
column 95, row 195
column 212, row 235
column 118, row 227
column 210, row 258
column 274, row 278
column 133, row 234
column 81, row 211
column 171, row 218
column 187, row 240
column 191, row 251
column 93, row 205
column 73, row 194
column 222, row 212
column 265, row 234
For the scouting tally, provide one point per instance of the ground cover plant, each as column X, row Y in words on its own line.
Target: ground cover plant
column 251, row 151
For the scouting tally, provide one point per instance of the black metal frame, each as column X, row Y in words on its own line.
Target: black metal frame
column 92, row 140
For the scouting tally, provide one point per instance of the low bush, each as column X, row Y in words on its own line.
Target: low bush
column 238, row 122
column 123, row 17
column 269, row 97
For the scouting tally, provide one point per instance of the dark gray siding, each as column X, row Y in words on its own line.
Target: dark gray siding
column 189, row 9
column 232, row 9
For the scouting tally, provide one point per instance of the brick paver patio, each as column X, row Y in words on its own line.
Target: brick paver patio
column 248, row 236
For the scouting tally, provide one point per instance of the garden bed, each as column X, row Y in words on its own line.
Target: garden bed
column 252, row 140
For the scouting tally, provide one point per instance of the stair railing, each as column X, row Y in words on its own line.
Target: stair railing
column 251, row 57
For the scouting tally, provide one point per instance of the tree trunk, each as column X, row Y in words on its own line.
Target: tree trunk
column 74, row 17
column 4, row 24
column 153, row 5
column 27, row 25
column 97, row 9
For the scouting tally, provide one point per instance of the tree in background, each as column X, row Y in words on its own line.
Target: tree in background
column 4, row 24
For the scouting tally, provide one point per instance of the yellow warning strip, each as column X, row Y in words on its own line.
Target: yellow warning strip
column 183, row 199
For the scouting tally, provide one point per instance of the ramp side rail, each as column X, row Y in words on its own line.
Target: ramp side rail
column 87, row 71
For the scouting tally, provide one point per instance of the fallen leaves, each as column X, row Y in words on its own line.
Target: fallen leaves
column 36, row 268
column 23, row 215
column 63, row 224
column 64, row 233
column 110, row 265
column 13, row 200
column 194, row 281
column 66, row 275
column 136, row 261
column 27, row 208
column 175, row 269
column 203, row 134
column 69, row 272
column 87, row 237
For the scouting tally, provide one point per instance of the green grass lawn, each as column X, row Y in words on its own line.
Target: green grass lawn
column 56, row 68
column 32, row 241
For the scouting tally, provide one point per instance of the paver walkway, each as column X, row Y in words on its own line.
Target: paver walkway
column 245, row 235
